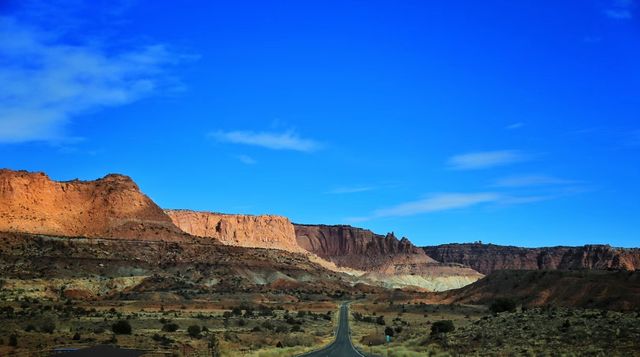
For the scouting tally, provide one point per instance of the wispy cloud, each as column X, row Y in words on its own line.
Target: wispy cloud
column 288, row 140
column 486, row 159
column 351, row 189
column 620, row 10
column 47, row 83
column 514, row 126
column 246, row 159
column 531, row 180
column 435, row 203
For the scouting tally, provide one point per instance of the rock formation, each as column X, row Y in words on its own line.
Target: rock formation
column 264, row 231
column 617, row 290
column 355, row 247
column 487, row 258
column 110, row 207
column 385, row 260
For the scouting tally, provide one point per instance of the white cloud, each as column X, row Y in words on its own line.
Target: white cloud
column 620, row 10
column 246, row 159
column 515, row 126
column 288, row 140
column 435, row 203
column 486, row 159
column 532, row 180
column 45, row 83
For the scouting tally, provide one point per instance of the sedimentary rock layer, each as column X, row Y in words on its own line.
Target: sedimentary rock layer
column 110, row 207
column 265, row 231
column 487, row 258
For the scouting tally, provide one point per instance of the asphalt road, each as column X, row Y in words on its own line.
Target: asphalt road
column 341, row 346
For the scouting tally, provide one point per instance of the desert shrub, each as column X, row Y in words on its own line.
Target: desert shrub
column 98, row 330
column 380, row 321
column 163, row 340
column 76, row 337
column 122, row 327
column 194, row 331
column 296, row 328
column 442, row 326
column 503, row 305
column 388, row 331
column 29, row 328
column 170, row 327
column 214, row 345
column 268, row 325
column 236, row 311
column 302, row 314
column 282, row 329
column 13, row 340
column 48, row 326
column 266, row 311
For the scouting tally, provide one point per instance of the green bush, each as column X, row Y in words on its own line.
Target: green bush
column 122, row 327
column 194, row 331
column 170, row 327
column 388, row 331
column 503, row 305
column 442, row 326
column 13, row 340
column 48, row 326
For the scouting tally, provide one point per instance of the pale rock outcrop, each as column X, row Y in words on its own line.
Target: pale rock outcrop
column 264, row 231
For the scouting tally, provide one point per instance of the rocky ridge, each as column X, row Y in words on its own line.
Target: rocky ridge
column 264, row 231
column 487, row 258
column 110, row 207
column 386, row 260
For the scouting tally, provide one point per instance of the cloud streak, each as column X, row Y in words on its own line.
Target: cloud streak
column 288, row 140
column 486, row 159
column 531, row 180
column 620, row 10
column 514, row 126
column 434, row 203
column 45, row 83
column 246, row 159
column 351, row 189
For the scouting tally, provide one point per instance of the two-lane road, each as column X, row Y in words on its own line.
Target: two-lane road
column 341, row 346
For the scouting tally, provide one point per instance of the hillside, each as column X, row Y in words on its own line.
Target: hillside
column 615, row 290
column 385, row 259
column 487, row 258
column 110, row 207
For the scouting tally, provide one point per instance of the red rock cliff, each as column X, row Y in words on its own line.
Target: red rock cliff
column 355, row 247
column 487, row 258
column 264, row 231
column 110, row 207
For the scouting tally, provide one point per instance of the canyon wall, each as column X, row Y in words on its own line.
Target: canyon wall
column 110, row 207
column 385, row 260
column 353, row 247
column 487, row 258
column 265, row 231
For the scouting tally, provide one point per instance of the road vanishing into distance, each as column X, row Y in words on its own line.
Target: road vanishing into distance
column 341, row 346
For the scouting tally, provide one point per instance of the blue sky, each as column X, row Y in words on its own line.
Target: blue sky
column 507, row 122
